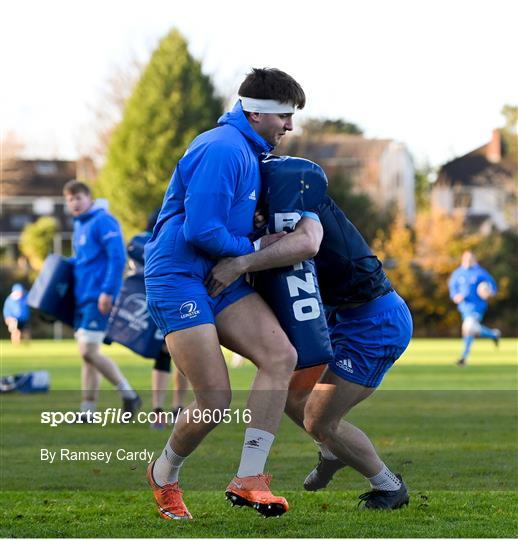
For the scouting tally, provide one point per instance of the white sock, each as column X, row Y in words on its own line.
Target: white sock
column 87, row 406
column 385, row 480
column 255, row 452
column 324, row 450
column 125, row 390
column 167, row 466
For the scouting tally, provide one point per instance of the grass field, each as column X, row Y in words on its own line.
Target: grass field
column 451, row 432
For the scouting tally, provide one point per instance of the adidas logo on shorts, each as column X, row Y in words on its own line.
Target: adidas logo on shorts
column 346, row 365
column 252, row 196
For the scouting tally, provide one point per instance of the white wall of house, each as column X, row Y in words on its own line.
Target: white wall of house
column 442, row 197
column 397, row 178
column 473, row 201
column 489, row 200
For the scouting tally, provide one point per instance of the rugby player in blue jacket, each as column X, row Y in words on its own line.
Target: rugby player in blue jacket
column 99, row 259
column 16, row 314
column 370, row 327
column 208, row 213
column 470, row 287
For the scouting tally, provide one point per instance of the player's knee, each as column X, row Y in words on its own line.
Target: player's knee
column 90, row 353
column 87, row 353
column 288, row 360
column 321, row 429
column 314, row 428
column 215, row 403
column 294, row 407
column 470, row 327
column 281, row 363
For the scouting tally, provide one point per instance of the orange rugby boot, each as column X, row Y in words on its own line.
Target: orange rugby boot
column 168, row 498
column 254, row 491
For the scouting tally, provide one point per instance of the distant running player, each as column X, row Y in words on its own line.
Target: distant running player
column 470, row 288
column 16, row 314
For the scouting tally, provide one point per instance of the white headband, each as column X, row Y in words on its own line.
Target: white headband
column 266, row 106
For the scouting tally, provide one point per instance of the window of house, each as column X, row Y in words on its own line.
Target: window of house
column 18, row 221
column 46, row 168
column 462, row 199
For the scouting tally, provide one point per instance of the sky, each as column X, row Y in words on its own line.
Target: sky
column 432, row 74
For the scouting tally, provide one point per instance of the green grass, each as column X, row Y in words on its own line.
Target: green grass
column 451, row 432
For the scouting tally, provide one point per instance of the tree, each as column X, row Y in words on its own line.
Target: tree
column 36, row 240
column 395, row 247
column 317, row 126
column 424, row 177
column 359, row 207
column 108, row 110
column 510, row 132
column 419, row 264
column 172, row 102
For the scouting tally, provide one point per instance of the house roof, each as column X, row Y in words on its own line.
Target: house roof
column 476, row 169
column 329, row 147
column 35, row 178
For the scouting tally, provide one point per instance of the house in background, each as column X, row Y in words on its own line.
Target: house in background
column 481, row 186
column 34, row 188
column 381, row 168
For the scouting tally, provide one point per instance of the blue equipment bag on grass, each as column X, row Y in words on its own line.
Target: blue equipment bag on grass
column 27, row 383
column 52, row 294
column 293, row 186
column 130, row 322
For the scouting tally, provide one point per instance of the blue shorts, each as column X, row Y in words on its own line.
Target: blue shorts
column 187, row 303
column 90, row 318
column 368, row 339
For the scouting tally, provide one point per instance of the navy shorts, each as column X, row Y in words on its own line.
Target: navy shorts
column 88, row 317
column 367, row 340
column 186, row 303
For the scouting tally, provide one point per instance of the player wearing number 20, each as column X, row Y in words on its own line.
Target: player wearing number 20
column 369, row 324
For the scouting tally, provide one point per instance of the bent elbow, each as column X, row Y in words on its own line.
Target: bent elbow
column 194, row 236
column 310, row 247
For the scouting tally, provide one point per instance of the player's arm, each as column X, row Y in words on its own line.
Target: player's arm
column 212, row 188
column 492, row 283
column 454, row 290
column 303, row 243
column 113, row 245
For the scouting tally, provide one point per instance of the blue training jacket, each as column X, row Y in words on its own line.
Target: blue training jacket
column 99, row 254
column 465, row 281
column 208, row 208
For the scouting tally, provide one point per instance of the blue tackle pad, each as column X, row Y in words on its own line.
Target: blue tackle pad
column 52, row 294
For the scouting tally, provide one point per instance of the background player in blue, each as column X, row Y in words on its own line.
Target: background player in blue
column 470, row 287
column 99, row 259
column 16, row 314
column 370, row 327
column 208, row 213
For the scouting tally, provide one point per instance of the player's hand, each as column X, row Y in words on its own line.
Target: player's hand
column 269, row 239
column 222, row 275
column 105, row 303
column 259, row 220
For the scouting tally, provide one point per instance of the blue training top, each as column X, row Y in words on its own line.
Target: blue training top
column 16, row 308
column 208, row 208
column 99, row 255
column 348, row 271
column 465, row 281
